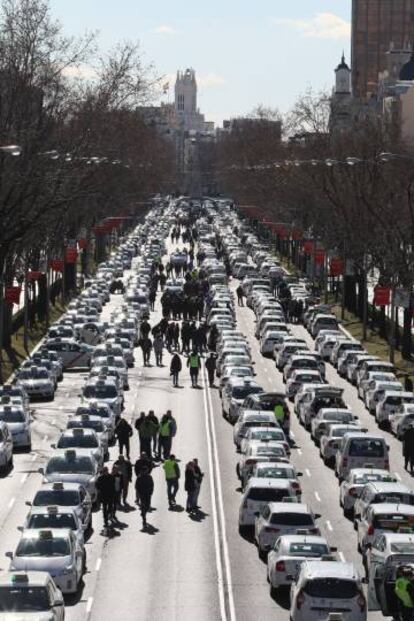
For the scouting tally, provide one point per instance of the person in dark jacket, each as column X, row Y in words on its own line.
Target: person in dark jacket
column 143, row 463
column 185, row 337
column 240, row 295
column 123, row 431
column 175, row 368
column 145, row 328
column 125, row 468
column 146, row 346
column 190, row 486
column 144, row 487
column 211, row 368
column 198, row 480
column 408, row 448
column 105, row 485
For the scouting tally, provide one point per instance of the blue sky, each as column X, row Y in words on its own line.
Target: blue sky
column 245, row 53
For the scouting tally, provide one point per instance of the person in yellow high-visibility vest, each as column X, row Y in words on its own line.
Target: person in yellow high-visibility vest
column 404, row 590
column 282, row 418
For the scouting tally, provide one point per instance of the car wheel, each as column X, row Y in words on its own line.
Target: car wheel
column 243, row 530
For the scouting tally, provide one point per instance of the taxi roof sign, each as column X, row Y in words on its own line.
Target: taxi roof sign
column 45, row 534
column 77, row 431
column 70, row 454
column 57, row 486
column 52, row 510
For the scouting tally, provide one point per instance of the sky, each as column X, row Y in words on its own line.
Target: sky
column 245, row 53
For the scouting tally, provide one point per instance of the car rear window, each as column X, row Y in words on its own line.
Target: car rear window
column 331, row 588
column 393, row 521
column 292, row 519
column 366, row 448
column 267, row 494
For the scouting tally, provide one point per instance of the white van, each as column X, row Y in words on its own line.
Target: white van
column 361, row 450
column 389, row 404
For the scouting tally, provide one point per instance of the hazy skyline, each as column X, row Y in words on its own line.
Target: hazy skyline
column 243, row 54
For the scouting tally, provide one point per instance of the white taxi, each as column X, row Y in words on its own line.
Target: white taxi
column 6, row 448
column 283, row 518
column 353, row 484
column 56, row 551
column 287, row 555
column 73, row 466
column 80, row 438
column 71, row 496
column 17, row 418
column 383, row 517
column 30, row 595
column 325, row 587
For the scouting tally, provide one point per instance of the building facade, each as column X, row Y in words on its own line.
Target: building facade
column 377, row 26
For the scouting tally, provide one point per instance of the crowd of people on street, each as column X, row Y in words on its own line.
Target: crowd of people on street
column 155, row 444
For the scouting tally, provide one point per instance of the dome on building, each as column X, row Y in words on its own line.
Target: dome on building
column 407, row 70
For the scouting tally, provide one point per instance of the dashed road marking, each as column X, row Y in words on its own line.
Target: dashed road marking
column 397, row 476
column 24, row 478
column 329, row 525
column 318, row 498
column 308, row 473
column 89, row 605
column 299, row 451
column 34, row 457
column 98, row 564
column 11, row 502
column 342, row 557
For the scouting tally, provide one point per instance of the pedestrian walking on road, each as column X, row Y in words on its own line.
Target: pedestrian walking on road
column 211, row 368
column 105, row 485
column 172, row 476
column 123, row 432
column 168, row 429
column 194, row 364
column 240, row 295
column 116, row 473
column 190, row 487
column 408, row 384
column 158, row 349
column 408, row 448
column 155, row 429
column 198, row 480
column 146, row 346
column 125, row 468
column 146, row 428
column 175, row 368
column 144, row 488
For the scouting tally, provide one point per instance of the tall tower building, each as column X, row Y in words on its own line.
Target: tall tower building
column 377, row 26
column 186, row 93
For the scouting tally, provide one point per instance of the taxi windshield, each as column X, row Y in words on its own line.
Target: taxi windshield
column 308, row 549
column 270, row 450
column 27, row 374
column 81, row 441
column 366, row 448
column 62, row 498
column 81, row 465
column 106, row 391
column 267, row 434
column 393, row 521
column 13, row 416
column 368, row 478
column 267, row 494
column 36, row 546
column 23, row 599
column 52, row 520
column 292, row 519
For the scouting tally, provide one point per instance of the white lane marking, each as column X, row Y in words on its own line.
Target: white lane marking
column 61, row 407
column 318, row 498
column 221, row 506
column 89, row 605
column 34, row 457
column 214, row 507
column 11, row 502
column 308, row 473
column 292, row 435
column 342, row 557
column 53, row 421
column 98, row 564
column 328, row 525
column 299, row 451
column 397, row 476
column 24, row 478
column 45, row 439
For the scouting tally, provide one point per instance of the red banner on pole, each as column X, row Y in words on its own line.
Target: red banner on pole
column 33, row 275
column 297, row 234
column 337, row 267
column 57, row 265
column 71, row 254
column 382, row 296
column 82, row 243
column 308, row 246
column 12, row 295
column 320, row 256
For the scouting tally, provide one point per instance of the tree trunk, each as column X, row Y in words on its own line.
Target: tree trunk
column 350, row 293
column 407, row 344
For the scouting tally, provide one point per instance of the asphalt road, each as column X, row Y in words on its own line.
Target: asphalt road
column 183, row 568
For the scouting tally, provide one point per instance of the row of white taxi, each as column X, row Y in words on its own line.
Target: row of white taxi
column 50, row 558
